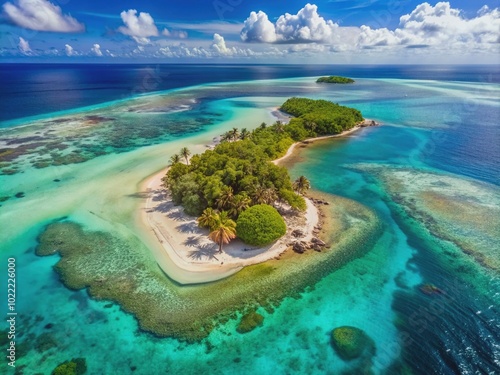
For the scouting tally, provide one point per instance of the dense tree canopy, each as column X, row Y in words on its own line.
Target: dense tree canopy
column 320, row 117
column 238, row 173
column 235, row 175
column 260, row 225
column 335, row 79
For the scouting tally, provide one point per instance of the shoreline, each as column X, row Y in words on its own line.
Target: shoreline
column 366, row 123
column 183, row 250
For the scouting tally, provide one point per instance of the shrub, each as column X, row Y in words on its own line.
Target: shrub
column 294, row 200
column 260, row 225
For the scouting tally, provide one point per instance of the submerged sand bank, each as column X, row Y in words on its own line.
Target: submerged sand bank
column 364, row 124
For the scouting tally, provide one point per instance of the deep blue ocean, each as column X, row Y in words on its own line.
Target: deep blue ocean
column 87, row 134
column 33, row 89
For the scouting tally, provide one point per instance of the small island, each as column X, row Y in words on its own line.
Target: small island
column 219, row 212
column 233, row 205
column 335, row 79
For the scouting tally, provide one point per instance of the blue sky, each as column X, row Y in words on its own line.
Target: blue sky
column 334, row 31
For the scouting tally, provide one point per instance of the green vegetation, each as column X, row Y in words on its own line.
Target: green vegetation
column 185, row 153
column 260, row 225
column 301, row 185
column 318, row 117
column 237, row 174
column 223, row 229
column 77, row 366
column 334, row 79
column 249, row 322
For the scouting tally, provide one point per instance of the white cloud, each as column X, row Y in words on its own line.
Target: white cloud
column 304, row 27
column 96, row 50
column 219, row 45
column 218, row 48
column 139, row 27
column 211, row 27
column 258, row 28
column 441, row 26
column 178, row 34
column 41, row 15
column 24, row 46
column 69, row 50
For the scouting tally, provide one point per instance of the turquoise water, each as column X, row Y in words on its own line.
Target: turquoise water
column 426, row 127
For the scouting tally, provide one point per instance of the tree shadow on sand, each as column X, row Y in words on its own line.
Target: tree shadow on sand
column 159, row 195
column 187, row 227
column 175, row 214
column 192, row 241
column 164, row 208
column 205, row 251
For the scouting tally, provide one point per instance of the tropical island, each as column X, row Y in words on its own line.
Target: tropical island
column 216, row 186
column 233, row 205
column 335, row 79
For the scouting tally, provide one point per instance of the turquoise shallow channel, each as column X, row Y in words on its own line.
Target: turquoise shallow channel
column 424, row 294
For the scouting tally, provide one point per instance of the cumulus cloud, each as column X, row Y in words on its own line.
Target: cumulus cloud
column 258, row 28
column 218, row 48
column 304, row 27
column 139, row 27
column 41, row 15
column 96, row 50
column 69, row 50
column 439, row 25
column 24, row 46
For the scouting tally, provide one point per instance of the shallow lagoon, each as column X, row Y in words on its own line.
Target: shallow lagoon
column 377, row 292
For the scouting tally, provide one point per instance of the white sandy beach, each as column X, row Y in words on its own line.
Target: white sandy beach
column 187, row 255
column 183, row 250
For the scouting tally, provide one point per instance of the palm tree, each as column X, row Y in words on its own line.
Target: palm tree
column 224, row 230
column 301, row 185
column 270, row 195
column 239, row 204
column 226, row 137
column 263, row 195
column 263, row 125
column 244, row 134
column 185, row 153
column 259, row 195
column 225, row 198
column 174, row 159
column 235, row 133
column 208, row 218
